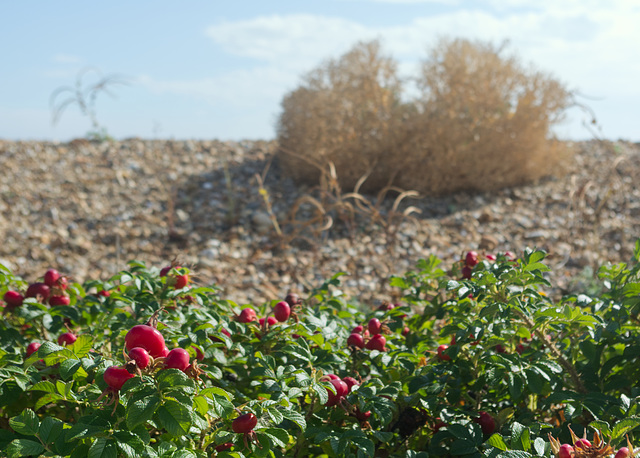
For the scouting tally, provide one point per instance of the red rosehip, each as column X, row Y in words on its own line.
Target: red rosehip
column 51, row 277
column 374, row 326
column 32, row 348
column 500, row 349
column 165, row 270
column 471, row 258
column 247, row 315
column 199, row 354
column 438, row 426
column 377, row 342
column 67, row 338
column 623, row 452
column 165, row 352
column 406, row 331
column 329, row 377
column 357, row 330
column 140, row 356
column 486, row 422
column 181, row 281
column 13, row 298
column 355, row 340
column 147, row 337
column 104, row 293
column 362, row 416
column 341, row 390
column 491, row 257
column 582, row 443
column 38, row 290
column 520, row 348
column 566, row 451
column 442, row 356
column 59, row 300
column 510, row 256
column 350, row 382
column 244, row 423
column 178, row 358
column 62, row 283
column 223, row 447
column 282, row 311
column 270, row 321
column 466, row 272
column 292, row 299
column 115, row 376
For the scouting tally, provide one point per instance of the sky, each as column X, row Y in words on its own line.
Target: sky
column 220, row 69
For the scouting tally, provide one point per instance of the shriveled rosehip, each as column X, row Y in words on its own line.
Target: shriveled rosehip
column 247, row 315
column 341, row 390
column 582, row 443
column 374, row 326
column 244, row 423
column 51, row 276
column 566, row 451
column 357, row 330
column 282, row 311
column 355, row 340
column 178, row 358
column 67, row 338
column 115, row 376
column 623, row 452
column 38, row 290
column 165, row 270
column 32, row 348
column 351, row 382
column 147, row 337
column 486, row 422
column 442, row 356
column 377, row 342
column 471, row 258
column 140, row 356
column 13, row 298
column 466, row 272
column 292, row 299
column 59, row 300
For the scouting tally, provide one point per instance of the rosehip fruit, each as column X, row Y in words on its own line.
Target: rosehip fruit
column 38, row 289
column 292, row 299
column 247, row 315
column 104, row 293
column 282, row 311
column 147, row 337
column 442, row 356
column 350, row 382
column 406, row 331
column 471, row 258
column 225, row 446
column 362, row 416
column 341, row 390
column 140, row 356
column 466, row 272
column 357, row 330
column 199, row 354
column 165, row 270
column 374, row 326
column 566, row 451
column 67, row 338
column 244, row 423
column 623, row 452
column 59, row 300
column 355, row 340
column 377, row 342
column 32, row 348
column 486, row 422
column 13, row 298
column 181, row 281
column 582, row 443
column 178, row 358
column 51, row 277
column 115, row 376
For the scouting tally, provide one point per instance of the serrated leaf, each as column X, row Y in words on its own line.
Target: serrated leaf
column 279, row 436
column 175, row 418
column 276, row 416
column 514, row 454
column 82, row 345
column 141, row 411
column 47, row 399
column 540, row 446
column 50, row 429
column 623, row 427
column 217, row 391
column 295, row 417
column 322, row 393
column 601, row 426
column 68, row 367
column 170, row 379
column 103, row 448
column 24, row 447
column 26, row 423
column 497, row 441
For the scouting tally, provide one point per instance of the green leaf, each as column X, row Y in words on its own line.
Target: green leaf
column 175, row 418
column 295, row 417
column 536, row 266
column 175, row 379
column 50, row 429
column 601, row 426
column 623, row 427
column 103, row 448
column 321, row 391
column 82, row 345
column 26, row 423
column 24, row 447
column 141, row 411
column 514, row 454
column 69, row 367
column 279, row 436
column 47, row 399
column 497, row 441
column 540, row 446
column 520, row 437
column 463, row 447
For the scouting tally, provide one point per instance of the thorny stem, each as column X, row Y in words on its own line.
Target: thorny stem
column 570, row 368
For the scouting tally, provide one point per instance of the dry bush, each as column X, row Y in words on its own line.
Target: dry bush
column 342, row 114
column 482, row 121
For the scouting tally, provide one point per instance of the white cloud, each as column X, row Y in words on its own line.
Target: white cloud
column 65, row 59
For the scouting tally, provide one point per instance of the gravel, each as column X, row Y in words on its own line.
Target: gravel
column 86, row 208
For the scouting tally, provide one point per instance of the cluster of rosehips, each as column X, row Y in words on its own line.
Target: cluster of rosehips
column 52, row 291
column 471, row 259
column 583, row 448
column 177, row 280
column 360, row 337
column 282, row 311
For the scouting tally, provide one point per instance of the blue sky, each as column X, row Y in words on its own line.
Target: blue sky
column 219, row 70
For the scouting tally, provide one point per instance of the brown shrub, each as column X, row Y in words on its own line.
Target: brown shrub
column 482, row 121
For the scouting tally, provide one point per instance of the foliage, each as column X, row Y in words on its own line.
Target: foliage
column 515, row 369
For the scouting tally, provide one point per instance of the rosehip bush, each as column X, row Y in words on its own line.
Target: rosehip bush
column 487, row 363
